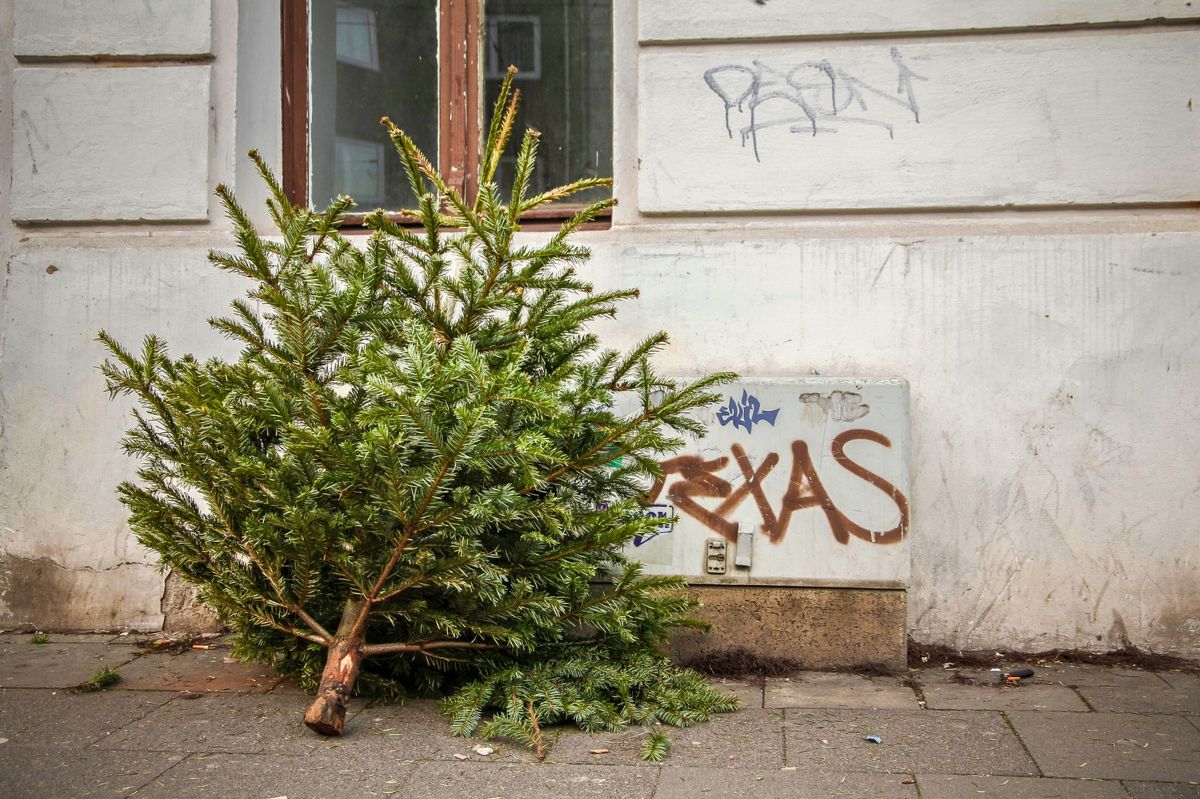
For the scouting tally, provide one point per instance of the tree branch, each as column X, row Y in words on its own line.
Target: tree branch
column 313, row 624
column 421, row 577
column 384, row 649
column 269, row 622
column 373, row 597
column 537, row 733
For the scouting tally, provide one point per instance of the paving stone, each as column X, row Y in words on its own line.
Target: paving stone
column 58, row 719
column 1184, row 681
column 938, row 741
column 107, row 744
column 289, row 685
column 243, row 723
column 1111, row 745
column 1185, row 690
column 956, row 696
column 1163, row 698
column 926, row 677
column 17, row 712
column 262, row 776
column 1067, row 674
column 40, row 773
column 691, row 783
column 8, row 639
column 828, row 690
column 415, row 731
column 57, row 665
column 1162, row 790
column 440, row 779
column 939, row 786
column 750, row 694
column 1082, row 674
column 747, row 739
column 985, row 677
column 196, row 670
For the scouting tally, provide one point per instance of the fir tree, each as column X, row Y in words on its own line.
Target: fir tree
column 416, row 462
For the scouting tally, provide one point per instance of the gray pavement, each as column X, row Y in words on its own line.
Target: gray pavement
column 194, row 725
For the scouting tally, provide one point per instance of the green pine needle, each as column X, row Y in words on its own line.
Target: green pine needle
column 656, row 746
column 102, row 679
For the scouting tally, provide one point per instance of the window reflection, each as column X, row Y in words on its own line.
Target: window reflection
column 368, row 59
column 563, row 49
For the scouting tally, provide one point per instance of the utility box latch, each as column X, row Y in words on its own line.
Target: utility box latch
column 745, row 545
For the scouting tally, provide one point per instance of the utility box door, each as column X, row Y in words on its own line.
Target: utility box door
column 798, row 482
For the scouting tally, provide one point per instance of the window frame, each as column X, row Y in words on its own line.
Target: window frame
column 461, row 67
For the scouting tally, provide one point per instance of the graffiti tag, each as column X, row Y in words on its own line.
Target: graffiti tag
column 747, row 414
column 698, row 479
column 842, row 406
column 666, row 522
column 810, row 98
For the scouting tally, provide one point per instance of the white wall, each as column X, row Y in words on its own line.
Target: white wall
column 1043, row 301
column 102, row 132
column 1054, row 405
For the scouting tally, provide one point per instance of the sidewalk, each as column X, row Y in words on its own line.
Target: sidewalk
column 192, row 725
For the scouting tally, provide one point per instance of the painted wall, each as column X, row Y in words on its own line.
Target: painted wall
column 1010, row 224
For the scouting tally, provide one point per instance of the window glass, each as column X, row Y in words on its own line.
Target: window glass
column 563, row 49
column 368, row 59
column 357, row 172
column 373, row 58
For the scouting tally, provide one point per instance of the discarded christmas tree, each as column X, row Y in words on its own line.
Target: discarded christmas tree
column 416, row 467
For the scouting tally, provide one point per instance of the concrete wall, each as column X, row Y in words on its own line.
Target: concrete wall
column 1010, row 223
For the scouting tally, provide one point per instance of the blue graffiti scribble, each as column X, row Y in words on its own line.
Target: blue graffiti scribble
column 666, row 522
column 747, row 414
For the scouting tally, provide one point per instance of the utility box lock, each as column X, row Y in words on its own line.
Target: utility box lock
column 714, row 555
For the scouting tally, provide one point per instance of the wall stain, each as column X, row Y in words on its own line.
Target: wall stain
column 51, row 596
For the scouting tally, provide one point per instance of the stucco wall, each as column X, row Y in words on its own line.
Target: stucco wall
column 1042, row 300
column 103, row 131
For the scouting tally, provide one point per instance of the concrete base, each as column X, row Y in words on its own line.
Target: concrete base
column 816, row 627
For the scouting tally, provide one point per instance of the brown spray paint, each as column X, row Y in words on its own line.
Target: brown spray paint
column 699, row 480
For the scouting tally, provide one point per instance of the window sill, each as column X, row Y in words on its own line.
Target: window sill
column 539, row 219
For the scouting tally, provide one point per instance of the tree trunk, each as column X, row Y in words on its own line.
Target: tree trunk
column 327, row 713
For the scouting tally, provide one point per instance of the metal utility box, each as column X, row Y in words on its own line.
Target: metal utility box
column 801, row 482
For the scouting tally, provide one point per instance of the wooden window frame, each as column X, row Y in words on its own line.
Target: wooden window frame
column 460, row 108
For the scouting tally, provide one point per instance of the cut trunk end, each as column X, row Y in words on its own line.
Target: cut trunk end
column 327, row 713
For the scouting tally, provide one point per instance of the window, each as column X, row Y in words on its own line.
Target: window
column 434, row 67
